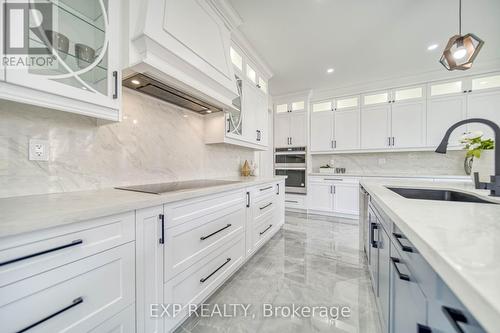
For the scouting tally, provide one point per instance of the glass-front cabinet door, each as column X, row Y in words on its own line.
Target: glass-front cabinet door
column 80, row 39
column 234, row 117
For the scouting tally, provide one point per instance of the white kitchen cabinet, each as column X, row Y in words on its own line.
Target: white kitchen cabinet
column 345, row 198
column 149, row 252
column 282, row 131
column 320, row 196
column 408, row 124
column 483, row 104
column 346, row 129
column 85, row 78
column 298, row 125
column 375, row 127
column 442, row 112
column 251, row 112
column 290, row 130
column 322, row 130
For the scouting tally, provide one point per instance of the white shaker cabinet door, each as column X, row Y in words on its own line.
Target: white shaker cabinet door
column 298, row 125
column 375, row 128
column 484, row 105
column 322, row 131
column 149, row 268
column 250, row 111
column 408, row 124
column 346, row 198
column 442, row 112
column 346, row 134
column 282, row 131
column 320, row 196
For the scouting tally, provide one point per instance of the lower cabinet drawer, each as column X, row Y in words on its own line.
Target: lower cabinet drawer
column 187, row 243
column 195, row 284
column 408, row 305
column 295, row 201
column 263, row 230
column 123, row 322
column 263, row 208
column 73, row 297
column 26, row 255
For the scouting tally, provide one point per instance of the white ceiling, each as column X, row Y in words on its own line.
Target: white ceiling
column 363, row 40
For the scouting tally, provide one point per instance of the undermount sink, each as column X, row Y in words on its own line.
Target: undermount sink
column 439, row 195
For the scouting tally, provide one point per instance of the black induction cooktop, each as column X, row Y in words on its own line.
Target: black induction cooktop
column 177, row 186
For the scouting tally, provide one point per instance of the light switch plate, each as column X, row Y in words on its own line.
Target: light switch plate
column 38, row 150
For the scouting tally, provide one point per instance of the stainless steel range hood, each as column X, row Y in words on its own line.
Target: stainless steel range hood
column 155, row 88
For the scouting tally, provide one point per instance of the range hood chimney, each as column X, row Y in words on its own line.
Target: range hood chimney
column 155, row 88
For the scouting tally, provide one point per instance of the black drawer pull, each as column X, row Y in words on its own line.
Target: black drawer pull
column 215, row 232
column 264, row 207
column 248, row 199
column 373, row 242
column 218, row 268
column 73, row 243
column 266, row 188
column 405, row 248
column 292, row 201
column 75, row 302
column 115, row 77
column 263, row 232
column 455, row 316
column 162, row 237
column 423, row 329
column 278, row 186
column 402, row 276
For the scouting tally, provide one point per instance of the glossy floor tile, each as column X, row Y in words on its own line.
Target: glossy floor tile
column 309, row 263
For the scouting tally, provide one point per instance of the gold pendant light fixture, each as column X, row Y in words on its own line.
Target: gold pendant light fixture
column 461, row 51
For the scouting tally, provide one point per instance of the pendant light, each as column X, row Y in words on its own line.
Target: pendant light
column 461, row 51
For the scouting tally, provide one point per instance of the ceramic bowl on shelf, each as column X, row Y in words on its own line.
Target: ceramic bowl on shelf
column 58, row 41
column 85, row 55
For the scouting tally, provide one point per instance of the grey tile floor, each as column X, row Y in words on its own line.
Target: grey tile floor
column 310, row 262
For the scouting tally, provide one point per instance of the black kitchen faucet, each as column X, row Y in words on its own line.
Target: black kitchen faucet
column 494, row 185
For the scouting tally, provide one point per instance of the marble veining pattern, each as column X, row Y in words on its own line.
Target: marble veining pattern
column 309, row 262
column 155, row 142
column 397, row 163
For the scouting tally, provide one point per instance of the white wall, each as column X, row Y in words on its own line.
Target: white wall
column 155, row 142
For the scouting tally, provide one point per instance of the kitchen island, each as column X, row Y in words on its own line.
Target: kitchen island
column 438, row 245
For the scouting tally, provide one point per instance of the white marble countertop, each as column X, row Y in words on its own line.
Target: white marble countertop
column 390, row 175
column 461, row 241
column 34, row 212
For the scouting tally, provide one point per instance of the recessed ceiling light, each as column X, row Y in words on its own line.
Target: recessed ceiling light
column 432, row 47
column 208, row 111
column 330, row 70
column 136, row 82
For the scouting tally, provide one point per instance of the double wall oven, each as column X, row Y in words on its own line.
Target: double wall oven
column 291, row 162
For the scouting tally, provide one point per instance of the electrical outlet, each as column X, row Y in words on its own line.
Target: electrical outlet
column 39, row 150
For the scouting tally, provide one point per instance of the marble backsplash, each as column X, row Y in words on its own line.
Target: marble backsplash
column 396, row 163
column 155, row 142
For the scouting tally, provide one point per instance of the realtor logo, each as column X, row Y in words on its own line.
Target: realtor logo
column 26, row 25
column 26, row 43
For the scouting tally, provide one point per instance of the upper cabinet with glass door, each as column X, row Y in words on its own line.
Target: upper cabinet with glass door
column 79, row 42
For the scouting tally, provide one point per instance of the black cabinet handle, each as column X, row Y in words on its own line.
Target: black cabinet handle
column 264, row 207
column 278, row 186
column 455, row 316
column 228, row 125
column 73, row 243
column 75, row 302
column 373, row 242
column 266, row 188
column 248, row 199
column 115, row 76
column 162, row 237
column 405, row 248
column 215, row 232
column 265, row 230
column 423, row 329
column 218, row 268
column 402, row 276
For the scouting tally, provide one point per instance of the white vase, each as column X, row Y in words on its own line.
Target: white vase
column 485, row 165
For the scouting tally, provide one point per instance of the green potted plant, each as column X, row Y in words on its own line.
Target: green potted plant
column 479, row 155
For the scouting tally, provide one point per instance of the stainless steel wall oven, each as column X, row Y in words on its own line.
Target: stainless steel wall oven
column 291, row 162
